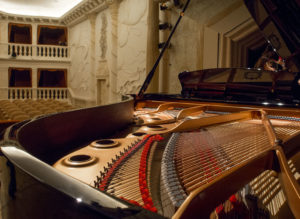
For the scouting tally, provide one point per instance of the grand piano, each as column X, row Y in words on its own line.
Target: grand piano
column 227, row 146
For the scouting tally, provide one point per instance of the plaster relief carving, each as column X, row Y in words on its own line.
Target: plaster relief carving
column 132, row 84
column 80, row 79
column 109, row 2
column 132, row 13
column 132, row 45
column 103, row 40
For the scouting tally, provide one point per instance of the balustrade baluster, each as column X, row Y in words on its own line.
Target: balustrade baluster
column 22, row 50
column 13, row 50
column 18, row 50
column 58, row 52
column 50, row 51
column 8, row 49
column 46, row 51
column 62, row 52
column 66, row 53
column 42, row 51
column 54, row 52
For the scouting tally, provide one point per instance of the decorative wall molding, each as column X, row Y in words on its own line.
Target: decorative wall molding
column 29, row 19
column 86, row 7
column 103, row 37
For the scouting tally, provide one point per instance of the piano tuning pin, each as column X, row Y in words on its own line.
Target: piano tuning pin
column 109, row 164
column 117, row 157
column 98, row 178
column 95, row 184
column 105, row 169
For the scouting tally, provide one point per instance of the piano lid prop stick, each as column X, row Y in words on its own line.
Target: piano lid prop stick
column 151, row 73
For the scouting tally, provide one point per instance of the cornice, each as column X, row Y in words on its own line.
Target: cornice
column 26, row 19
column 72, row 17
column 82, row 10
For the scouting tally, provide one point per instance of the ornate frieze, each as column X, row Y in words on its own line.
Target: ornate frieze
column 86, row 7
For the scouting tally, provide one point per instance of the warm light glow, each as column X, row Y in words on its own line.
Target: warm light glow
column 44, row 8
column 265, row 103
column 79, row 200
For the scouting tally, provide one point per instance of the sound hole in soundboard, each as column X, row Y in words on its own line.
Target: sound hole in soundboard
column 104, row 143
column 80, row 158
column 138, row 133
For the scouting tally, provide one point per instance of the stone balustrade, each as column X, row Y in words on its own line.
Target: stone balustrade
column 52, row 51
column 52, row 93
column 38, row 52
column 15, row 93
column 20, row 93
column 15, row 50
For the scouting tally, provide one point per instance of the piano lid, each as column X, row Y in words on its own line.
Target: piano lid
column 280, row 23
column 243, row 85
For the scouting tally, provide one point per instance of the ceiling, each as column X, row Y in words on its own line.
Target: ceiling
column 44, row 8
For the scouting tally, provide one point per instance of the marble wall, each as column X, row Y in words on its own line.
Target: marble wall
column 109, row 52
column 132, row 45
column 80, row 78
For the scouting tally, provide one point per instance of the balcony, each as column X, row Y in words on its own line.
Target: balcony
column 22, row 93
column 34, row 52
